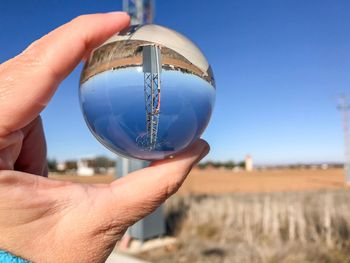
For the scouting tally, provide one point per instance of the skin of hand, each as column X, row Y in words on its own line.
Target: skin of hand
column 45, row 220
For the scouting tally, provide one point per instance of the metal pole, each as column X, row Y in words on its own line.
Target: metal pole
column 344, row 107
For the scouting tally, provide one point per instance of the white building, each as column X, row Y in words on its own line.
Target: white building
column 61, row 166
column 84, row 169
column 248, row 163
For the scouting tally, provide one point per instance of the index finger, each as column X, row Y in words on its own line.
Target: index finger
column 28, row 81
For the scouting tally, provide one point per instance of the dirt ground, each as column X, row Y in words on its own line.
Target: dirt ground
column 220, row 181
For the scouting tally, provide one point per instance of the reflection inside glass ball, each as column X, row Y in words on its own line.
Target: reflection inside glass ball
column 147, row 92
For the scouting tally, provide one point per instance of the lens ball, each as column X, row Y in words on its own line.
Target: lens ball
column 147, row 92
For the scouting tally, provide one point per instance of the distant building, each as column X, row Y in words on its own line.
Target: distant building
column 61, row 166
column 236, row 169
column 84, row 168
column 248, row 163
column 87, row 166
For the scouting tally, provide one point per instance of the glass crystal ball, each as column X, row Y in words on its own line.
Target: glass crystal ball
column 147, row 92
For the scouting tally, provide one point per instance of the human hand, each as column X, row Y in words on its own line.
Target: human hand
column 45, row 220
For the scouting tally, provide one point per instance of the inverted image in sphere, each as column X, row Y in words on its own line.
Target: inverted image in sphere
column 147, row 92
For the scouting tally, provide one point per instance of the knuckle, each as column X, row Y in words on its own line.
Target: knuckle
column 36, row 58
column 10, row 71
column 79, row 19
column 31, row 56
column 110, row 228
column 172, row 179
column 171, row 188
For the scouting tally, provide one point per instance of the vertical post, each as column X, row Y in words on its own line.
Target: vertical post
column 141, row 12
column 136, row 10
column 344, row 107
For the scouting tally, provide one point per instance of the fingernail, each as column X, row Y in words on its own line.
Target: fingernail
column 118, row 13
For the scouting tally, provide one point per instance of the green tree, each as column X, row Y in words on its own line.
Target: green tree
column 229, row 165
column 52, row 165
column 241, row 164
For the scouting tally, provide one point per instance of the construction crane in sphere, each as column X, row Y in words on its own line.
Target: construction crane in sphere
column 141, row 12
column 344, row 107
column 152, row 67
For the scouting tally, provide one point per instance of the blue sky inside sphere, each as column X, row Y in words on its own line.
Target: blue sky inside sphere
column 113, row 104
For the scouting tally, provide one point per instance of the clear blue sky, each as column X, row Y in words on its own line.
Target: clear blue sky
column 279, row 67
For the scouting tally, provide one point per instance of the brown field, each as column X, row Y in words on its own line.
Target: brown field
column 266, row 216
column 221, row 182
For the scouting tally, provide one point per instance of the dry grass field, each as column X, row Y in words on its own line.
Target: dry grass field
column 223, row 182
column 270, row 216
column 212, row 181
column 285, row 227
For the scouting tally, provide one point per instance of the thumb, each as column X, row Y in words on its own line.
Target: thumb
column 141, row 192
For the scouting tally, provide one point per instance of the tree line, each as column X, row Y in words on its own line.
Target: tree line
column 96, row 162
column 218, row 164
